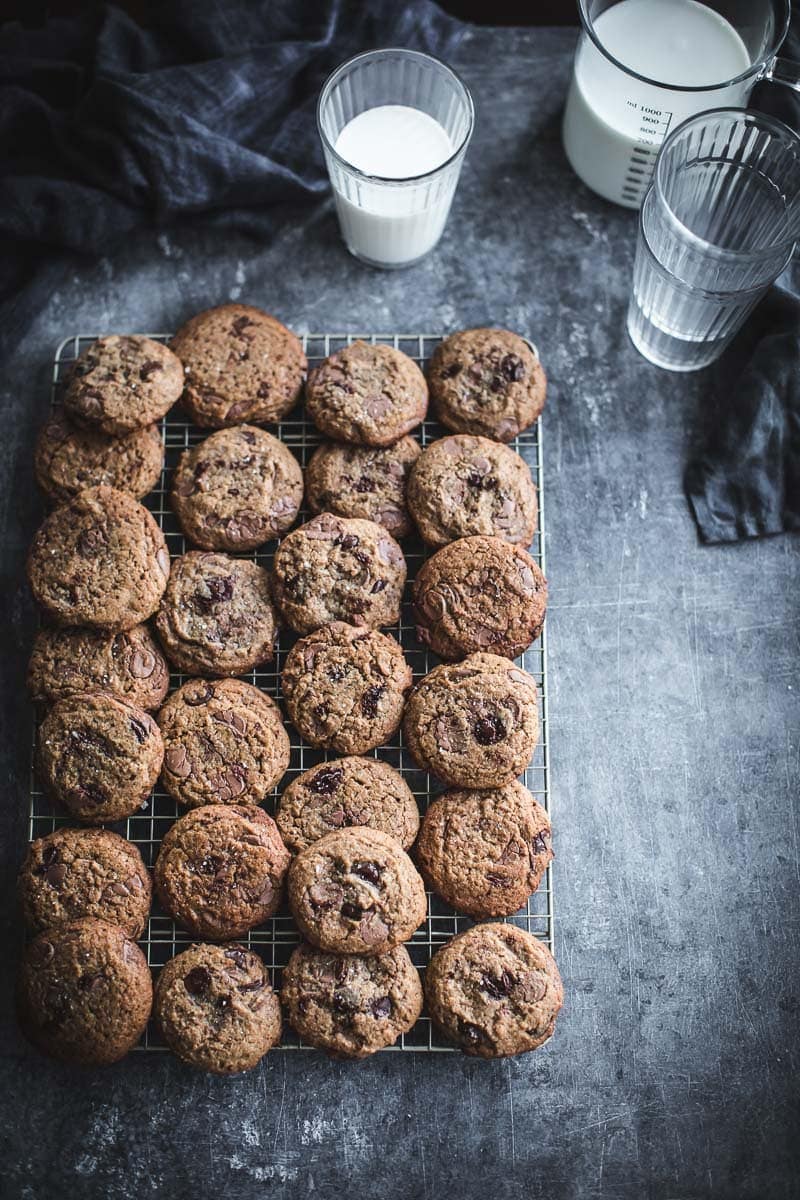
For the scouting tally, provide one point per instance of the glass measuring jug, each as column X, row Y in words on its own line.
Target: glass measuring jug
column 642, row 67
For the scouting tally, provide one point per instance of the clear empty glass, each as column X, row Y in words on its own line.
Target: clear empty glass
column 393, row 218
column 717, row 227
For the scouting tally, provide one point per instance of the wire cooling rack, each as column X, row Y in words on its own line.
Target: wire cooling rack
column 276, row 939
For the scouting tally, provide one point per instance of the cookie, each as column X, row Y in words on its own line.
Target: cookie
column 75, row 873
column 99, row 756
column 240, row 365
column 485, row 852
column 344, row 687
column 237, row 489
column 123, row 383
column 84, row 992
column 216, row 1009
column 475, row 723
column 350, row 1004
column 356, row 891
column 100, row 560
column 216, row 617
column 220, row 870
column 487, row 382
column 494, row 990
column 469, row 485
column 338, row 569
column 479, row 594
column 366, row 394
column 68, row 459
column 363, row 481
column 224, row 743
column 130, row 665
column 345, row 792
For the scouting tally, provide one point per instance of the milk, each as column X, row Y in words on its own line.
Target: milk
column 614, row 123
column 393, row 224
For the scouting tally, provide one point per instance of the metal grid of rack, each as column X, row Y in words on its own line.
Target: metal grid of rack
column 275, row 940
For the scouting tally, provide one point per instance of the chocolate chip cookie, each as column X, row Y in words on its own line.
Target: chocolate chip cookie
column 99, row 756
column 469, row 485
column 220, row 870
column 494, row 990
column 475, row 723
column 363, row 481
column 338, row 569
column 224, row 743
column 237, row 489
column 485, row 852
column 130, row 665
column 67, row 459
column 345, row 792
column 350, row 1004
column 123, row 383
column 479, row 594
column 216, row 617
column 488, row 382
column 356, row 891
column 371, row 395
column 100, row 560
column 75, row 873
column 344, row 687
column 84, row 992
column 216, row 1009
column 241, row 364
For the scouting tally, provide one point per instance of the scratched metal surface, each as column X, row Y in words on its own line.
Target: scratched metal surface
column 675, row 728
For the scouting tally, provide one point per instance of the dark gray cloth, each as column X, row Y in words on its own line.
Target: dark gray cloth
column 207, row 115
column 745, row 479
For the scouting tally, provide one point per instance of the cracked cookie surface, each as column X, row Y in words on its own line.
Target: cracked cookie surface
column 475, row 723
column 68, row 459
column 99, row 560
column 220, row 870
column 350, row 1004
column 485, row 852
column 364, row 481
column 367, row 394
column 122, row 383
column 75, row 873
column 224, row 743
column 344, row 687
column 216, row 1009
column 344, row 792
column 240, row 364
column 356, row 891
column 99, row 756
column 216, row 617
column 338, row 569
column 237, row 489
column 486, row 382
column 479, row 593
column 84, row 992
column 462, row 486
column 494, row 990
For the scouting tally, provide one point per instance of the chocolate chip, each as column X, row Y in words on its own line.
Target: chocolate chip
column 469, row 1033
column 199, row 695
column 49, row 856
column 162, row 558
column 370, row 699
column 349, row 541
column 177, row 762
column 326, row 781
column 140, row 730
column 452, row 370
column 198, row 981
column 487, row 731
column 378, row 586
column 149, row 368
column 91, row 541
column 540, row 843
column 240, row 324
column 209, row 865
column 364, row 484
column 351, row 911
column 381, row 1008
column 372, row 929
column 224, row 1002
column 498, row 986
column 513, row 368
column 237, row 956
column 369, row 872
column 229, row 717
column 344, row 1001
column 325, row 895
column 497, row 880
column 142, row 664
column 219, row 591
column 55, row 875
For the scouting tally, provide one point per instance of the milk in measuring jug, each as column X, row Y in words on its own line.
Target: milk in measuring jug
column 614, row 123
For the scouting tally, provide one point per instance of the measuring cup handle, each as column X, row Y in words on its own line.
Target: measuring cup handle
column 783, row 70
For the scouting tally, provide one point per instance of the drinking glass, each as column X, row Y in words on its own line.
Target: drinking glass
column 616, row 119
column 717, row 227
column 393, row 222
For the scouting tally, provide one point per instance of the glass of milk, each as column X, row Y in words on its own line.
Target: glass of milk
column 644, row 66
column 716, row 228
column 395, row 126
